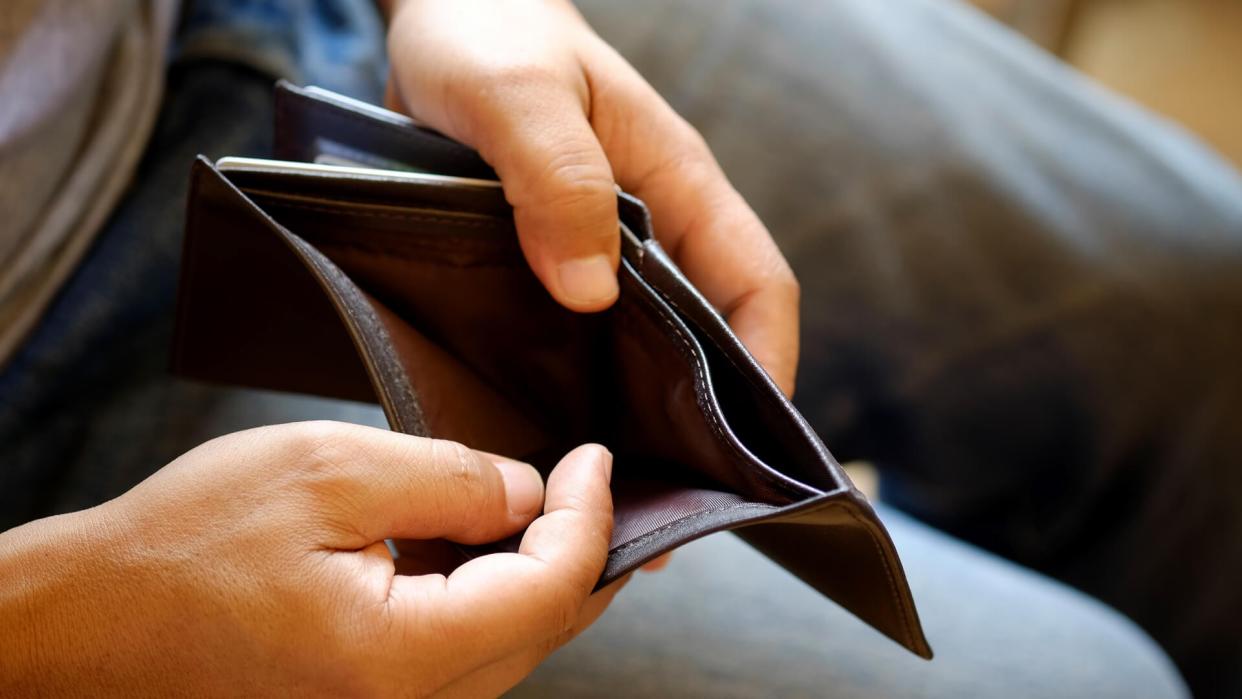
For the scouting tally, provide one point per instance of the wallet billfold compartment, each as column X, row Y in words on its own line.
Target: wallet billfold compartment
column 377, row 261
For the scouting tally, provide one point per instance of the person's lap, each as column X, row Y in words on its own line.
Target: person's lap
column 1022, row 297
column 917, row 322
column 722, row 621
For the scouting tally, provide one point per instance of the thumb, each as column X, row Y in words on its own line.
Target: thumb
column 558, row 180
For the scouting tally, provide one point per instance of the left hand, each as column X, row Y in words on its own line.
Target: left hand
column 255, row 565
column 562, row 118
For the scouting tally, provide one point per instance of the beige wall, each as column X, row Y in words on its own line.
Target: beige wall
column 1180, row 57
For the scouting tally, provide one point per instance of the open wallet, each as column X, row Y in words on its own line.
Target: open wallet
column 377, row 261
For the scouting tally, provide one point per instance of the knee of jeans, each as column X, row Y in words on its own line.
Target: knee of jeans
column 1089, row 650
column 1001, row 630
column 1104, row 654
column 335, row 44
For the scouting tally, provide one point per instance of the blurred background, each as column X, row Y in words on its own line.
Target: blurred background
column 1178, row 57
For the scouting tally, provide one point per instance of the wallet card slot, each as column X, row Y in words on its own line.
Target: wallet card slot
column 654, row 496
column 764, row 419
column 754, row 475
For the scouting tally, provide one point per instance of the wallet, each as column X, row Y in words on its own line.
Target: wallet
column 376, row 260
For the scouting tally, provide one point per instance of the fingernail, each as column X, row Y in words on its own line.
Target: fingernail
column 523, row 487
column 606, row 458
column 588, row 280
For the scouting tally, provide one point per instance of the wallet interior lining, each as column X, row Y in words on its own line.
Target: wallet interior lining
column 391, row 258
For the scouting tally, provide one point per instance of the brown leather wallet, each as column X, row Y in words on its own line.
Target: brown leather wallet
column 372, row 284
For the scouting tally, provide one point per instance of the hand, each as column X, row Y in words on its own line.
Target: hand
column 256, row 564
column 562, row 117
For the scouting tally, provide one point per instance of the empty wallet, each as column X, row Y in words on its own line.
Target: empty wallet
column 367, row 282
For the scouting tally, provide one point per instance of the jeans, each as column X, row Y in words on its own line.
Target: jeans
column 1019, row 300
column 1021, row 295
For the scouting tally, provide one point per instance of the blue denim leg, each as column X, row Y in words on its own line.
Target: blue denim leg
column 335, row 44
column 723, row 622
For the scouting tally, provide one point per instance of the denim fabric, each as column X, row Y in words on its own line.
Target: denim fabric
column 1017, row 299
column 723, row 622
column 86, row 407
column 335, row 44
column 1021, row 295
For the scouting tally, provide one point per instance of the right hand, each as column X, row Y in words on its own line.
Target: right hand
column 563, row 119
column 256, row 564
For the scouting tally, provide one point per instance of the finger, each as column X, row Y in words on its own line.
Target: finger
column 500, row 604
column 560, row 184
column 720, row 243
column 369, row 484
column 523, row 106
column 699, row 217
column 504, row 674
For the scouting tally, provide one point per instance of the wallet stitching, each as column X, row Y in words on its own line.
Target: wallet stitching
column 388, row 254
column 740, row 369
column 425, row 245
column 686, row 350
column 390, row 366
column 894, row 593
column 701, row 397
column 754, row 384
column 683, row 521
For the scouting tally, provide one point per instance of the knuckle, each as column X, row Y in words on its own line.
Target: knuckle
column 695, row 145
column 548, row 646
column 563, row 610
column 460, row 464
column 485, row 68
column 575, row 173
column 690, row 147
column 787, row 284
column 501, row 76
column 316, row 443
column 555, row 597
column 569, row 591
column 575, row 177
column 488, row 86
column 686, row 131
column 463, row 477
column 577, row 502
column 325, row 472
column 578, row 172
column 689, row 164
